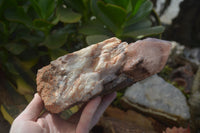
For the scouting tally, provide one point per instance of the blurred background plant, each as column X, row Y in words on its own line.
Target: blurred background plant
column 34, row 32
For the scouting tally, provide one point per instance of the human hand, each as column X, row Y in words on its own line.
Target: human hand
column 30, row 121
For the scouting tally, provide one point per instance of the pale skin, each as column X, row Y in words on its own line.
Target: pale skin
column 30, row 121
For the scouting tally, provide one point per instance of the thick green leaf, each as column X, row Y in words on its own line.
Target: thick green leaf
column 43, row 25
column 15, row 48
column 18, row 15
column 144, row 32
column 136, row 4
column 144, row 10
column 95, row 39
column 24, row 89
column 55, row 20
column 66, row 15
column 56, row 39
column 101, row 16
column 109, row 1
column 121, row 3
column 81, row 6
column 94, row 28
column 115, row 13
column 136, row 26
column 55, row 53
column 78, row 5
column 35, row 5
column 47, row 7
column 44, row 8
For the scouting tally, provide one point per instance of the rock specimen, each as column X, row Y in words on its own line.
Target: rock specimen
column 99, row 69
column 156, row 97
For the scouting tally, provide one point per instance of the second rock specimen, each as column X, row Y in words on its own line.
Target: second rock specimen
column 99, row 69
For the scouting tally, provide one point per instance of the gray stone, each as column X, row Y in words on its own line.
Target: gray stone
column 193, row 55
column 157, row 94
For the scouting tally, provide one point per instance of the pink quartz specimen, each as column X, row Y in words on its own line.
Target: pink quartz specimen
column 99, row 69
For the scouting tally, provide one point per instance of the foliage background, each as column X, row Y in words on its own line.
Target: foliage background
column 34, row 32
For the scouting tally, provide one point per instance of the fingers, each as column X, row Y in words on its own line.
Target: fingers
column 87, row 115
column 33, row 110
column 93, row 111
column 106, row 101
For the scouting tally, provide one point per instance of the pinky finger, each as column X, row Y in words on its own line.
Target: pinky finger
column 106, row 101
column 87, row 115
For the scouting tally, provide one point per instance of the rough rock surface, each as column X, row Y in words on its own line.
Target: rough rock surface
column 99, row 69
column 160, row 97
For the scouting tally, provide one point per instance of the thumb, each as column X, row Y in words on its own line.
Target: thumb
column 33, row 110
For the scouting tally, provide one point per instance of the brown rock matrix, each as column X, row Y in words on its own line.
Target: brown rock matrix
column 99, row 69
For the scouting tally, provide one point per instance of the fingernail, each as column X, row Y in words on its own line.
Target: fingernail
column 35, row 95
